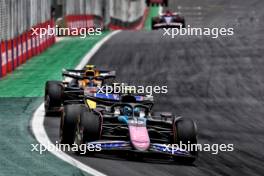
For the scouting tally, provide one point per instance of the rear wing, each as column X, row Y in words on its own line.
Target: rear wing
column 108, row 74
column 80, row 74
column 157, row 2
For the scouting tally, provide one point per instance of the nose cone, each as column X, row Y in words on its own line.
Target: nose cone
column 139, row 137
column 168, row 19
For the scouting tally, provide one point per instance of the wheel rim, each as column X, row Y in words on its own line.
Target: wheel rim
column 61, row 129
column 78, row 138
column 47, row 101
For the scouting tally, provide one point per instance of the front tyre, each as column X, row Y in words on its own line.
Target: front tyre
column 68, row 123
column 183, row 24
column 153, row 23
column 186, row 133
column 88, row 128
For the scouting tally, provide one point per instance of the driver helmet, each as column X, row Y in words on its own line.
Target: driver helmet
column 127, row 111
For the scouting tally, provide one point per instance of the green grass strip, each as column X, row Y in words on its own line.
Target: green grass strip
column 29, row 79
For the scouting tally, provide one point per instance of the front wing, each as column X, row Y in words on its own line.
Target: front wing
column 154, row 148
column 167, row 25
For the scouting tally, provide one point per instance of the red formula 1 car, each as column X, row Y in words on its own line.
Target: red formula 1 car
column 157, row 2
column 168, row 20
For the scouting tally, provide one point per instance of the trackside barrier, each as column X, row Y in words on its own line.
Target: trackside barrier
column 83, row 13
column 24, row 51
column 78, row 22
column 136, row 25
column 113, row 14
column 127, row 14
column 3, row 58
column 0, row 59
column 9, row 55
column 14, row 45
column 23, row 47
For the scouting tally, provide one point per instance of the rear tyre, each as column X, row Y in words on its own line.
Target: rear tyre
column 166, row 3
column 147, row 2
column 68, row 123
column 53, row 97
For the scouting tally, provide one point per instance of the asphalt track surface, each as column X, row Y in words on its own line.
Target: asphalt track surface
column 217, row 82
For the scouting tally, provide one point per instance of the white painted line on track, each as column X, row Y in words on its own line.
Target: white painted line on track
column 59, row 39
column 37, row 122
column 97, row 46
column 42, row 137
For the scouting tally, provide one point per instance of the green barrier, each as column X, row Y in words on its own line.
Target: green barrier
column 153, row 11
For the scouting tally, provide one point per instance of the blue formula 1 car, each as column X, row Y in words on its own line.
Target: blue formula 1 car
column 127, row 124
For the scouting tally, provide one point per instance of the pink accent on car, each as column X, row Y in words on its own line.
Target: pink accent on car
column 139, row 137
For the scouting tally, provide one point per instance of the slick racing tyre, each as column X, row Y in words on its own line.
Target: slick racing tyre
column 68, row 123
column 183, row 24
column 165, row 3
column 154, row 21
column 152, row 25
column 186, row 134
column 148, row 2
column 88, row 128
column 53, row 96
column 186, row 131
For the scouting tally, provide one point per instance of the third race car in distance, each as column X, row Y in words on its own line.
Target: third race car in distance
column 157, row 2
column 168, row 20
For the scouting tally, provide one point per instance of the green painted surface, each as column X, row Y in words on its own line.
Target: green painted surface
column 29, row 79
column 16, row 157
column 20, row 94
column 153, row 11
